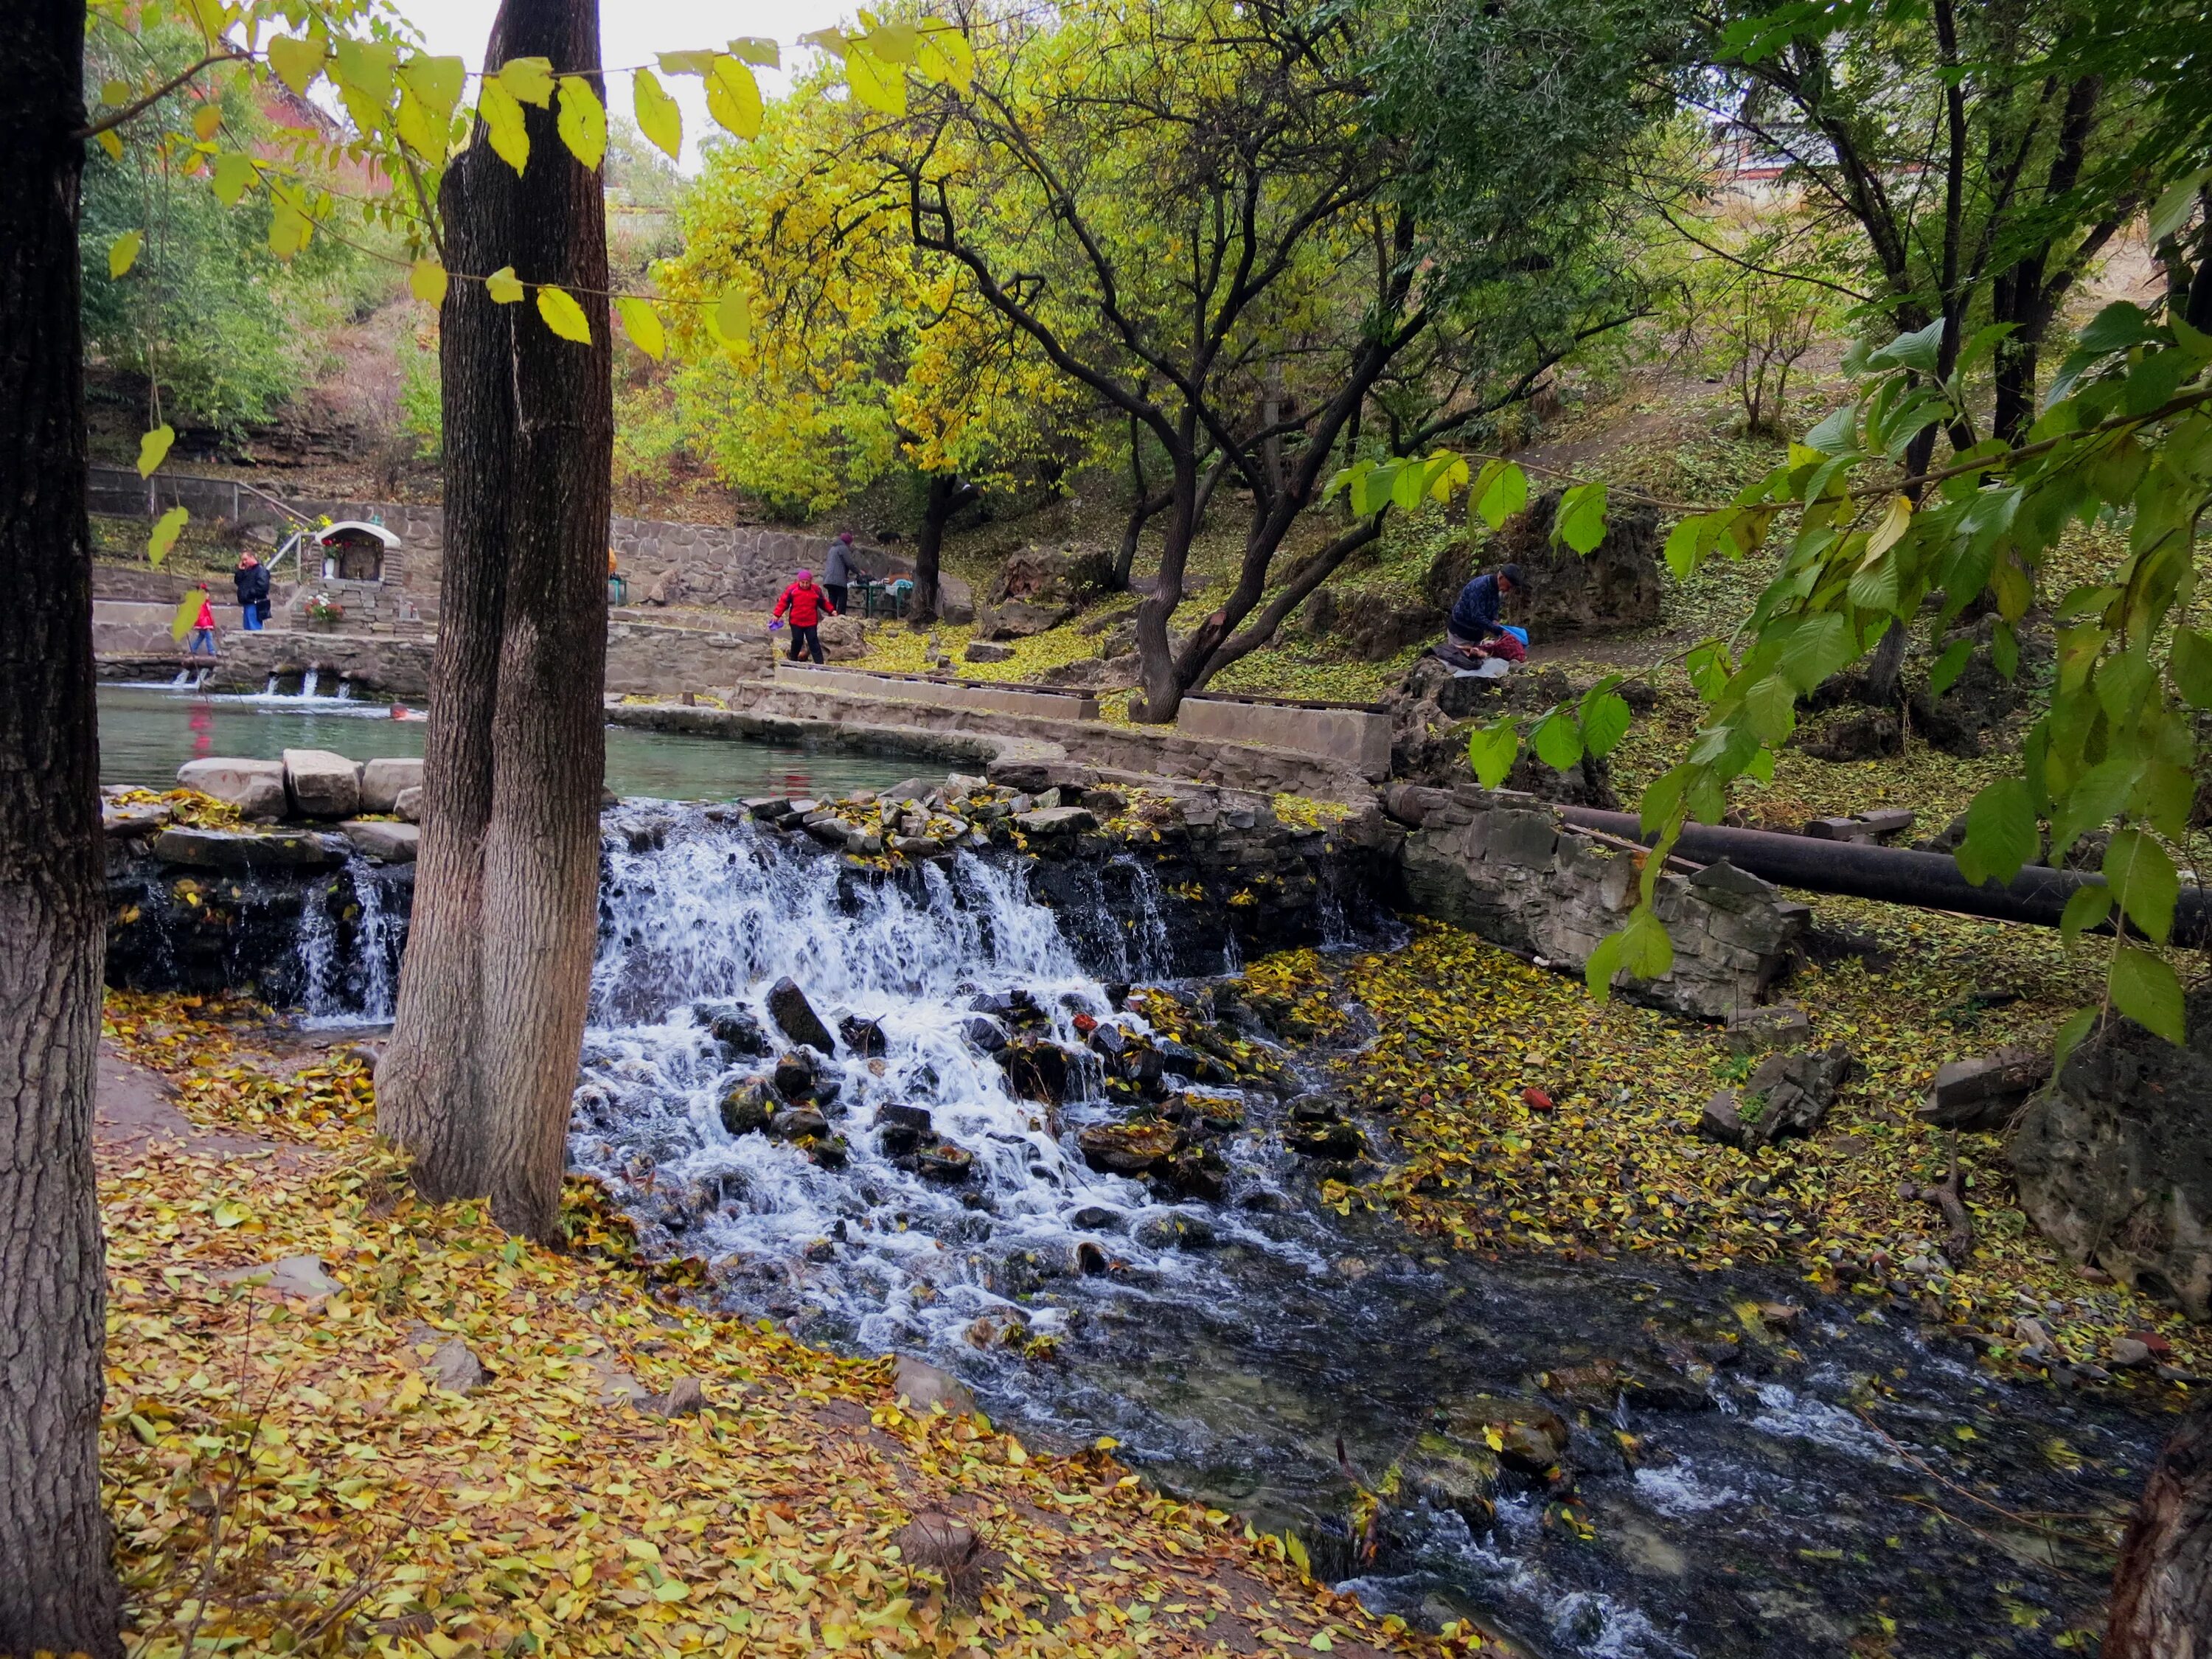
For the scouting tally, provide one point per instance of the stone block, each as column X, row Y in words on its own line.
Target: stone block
column 1528, row 839
column 394, row 843
column 321, row 784
column 408, row 804
column 1987, row 1093
column 987, row 652
column 383, row 778
column 256, row 787
column 236, row 849
column 1352, row 738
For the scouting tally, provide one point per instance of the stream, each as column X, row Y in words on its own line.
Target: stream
column 1725, row 1484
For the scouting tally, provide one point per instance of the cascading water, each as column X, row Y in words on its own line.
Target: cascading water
column 1264, row 1353
column 308, row 682
column 348, row 947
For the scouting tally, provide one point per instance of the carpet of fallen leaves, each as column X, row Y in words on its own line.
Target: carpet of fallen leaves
column 285, row 1476
column 1603, row 1157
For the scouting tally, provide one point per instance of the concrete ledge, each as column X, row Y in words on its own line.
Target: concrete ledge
column 1356, row 739
column 944, row 694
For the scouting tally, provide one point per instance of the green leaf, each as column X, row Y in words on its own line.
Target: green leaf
column 686, row 63
column 1492, row 751
column 2000, row 833
column 731, row 320
column 1837, row 434
column 2087, row 908
column 297, row 62
column 503, row 286
column 2142, row 876
column 2116, row 328
column 154, row 448
column 733, row 97
column 1915, row 350
column 2004, row 650
column 758, row 51
column 2122, row 683
column 582, row 123
column 562, row 315
column 1645, row 950
column 1410, row 484
column 1604, row 963
column 2175, row 203
column 167, row 529
column 528, row 80
column 1771, row 706
column 1605, row 720
column 643, row 324
column 1949, row 667
column 426, row 281
column 1874, row 586
column 502, row 119
column 1582, row 517
column 1816, row 648
column 436, row 83
column 2191, row 665
column 233, row 176
column 1500, row 491
column 123, row 252
column 658, row 117
column 2098, row 796
column 2144, row 988
column 1557, row 740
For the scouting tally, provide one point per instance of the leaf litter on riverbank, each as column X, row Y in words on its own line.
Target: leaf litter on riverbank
column 287, row 1474
column 1604, row 1158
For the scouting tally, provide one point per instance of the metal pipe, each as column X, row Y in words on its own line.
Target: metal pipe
column 1893, row 875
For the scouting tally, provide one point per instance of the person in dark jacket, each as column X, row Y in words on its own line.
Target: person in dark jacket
column 837, row 575
column 1473, row 624
column 806, row 602
column 252, row 580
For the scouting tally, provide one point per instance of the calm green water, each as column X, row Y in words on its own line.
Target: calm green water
column 146, row 732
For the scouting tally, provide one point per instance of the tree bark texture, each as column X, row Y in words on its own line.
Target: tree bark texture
column 948, row 493
column 2162, row 1591
column 57, row 1587
column 493, row 994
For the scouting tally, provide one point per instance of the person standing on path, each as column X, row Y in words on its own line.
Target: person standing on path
column 837, row 575
column 1473, row 624
column 252, row 580
column 806, row 602
column 203, row 627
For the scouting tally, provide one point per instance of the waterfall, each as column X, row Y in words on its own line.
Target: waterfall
column 270, row 690
column 345, row 691
column 308, row 682
column 699, row 917
column 183, row 681
column 348, row 942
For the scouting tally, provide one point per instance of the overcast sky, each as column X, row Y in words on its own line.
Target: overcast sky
column 632, row 31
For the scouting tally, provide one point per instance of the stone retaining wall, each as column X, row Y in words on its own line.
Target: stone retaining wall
column 807, row 680
column 1355, row 739
column 1503, row 865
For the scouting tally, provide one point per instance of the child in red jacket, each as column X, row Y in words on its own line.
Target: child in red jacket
column 807, row 604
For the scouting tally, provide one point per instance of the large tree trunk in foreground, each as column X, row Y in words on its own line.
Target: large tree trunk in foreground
column 477, row 1082
column 57, row 1588
column 2162, row 1592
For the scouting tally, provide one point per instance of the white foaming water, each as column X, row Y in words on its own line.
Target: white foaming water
column 354, row 987
column 697, row 912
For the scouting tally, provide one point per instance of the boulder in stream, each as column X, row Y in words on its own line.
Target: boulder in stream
column 255, row 788
column 1127, row 1149
column 734, row 1027
column 795, row 1018
column 902, row 1128
column 746, row 1106
column 864, row 1037
column 322, row 784
column 945, row 1162
column 794, row 1075
column 1036, row 1071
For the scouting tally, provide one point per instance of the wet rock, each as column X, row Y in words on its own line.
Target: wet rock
column 1987, row 1093
column 795, row 1018
column 246, row 849
column 1056, row 822
column 1215, row 1115
column 1601, row 1384
column 256, row 787
column 924, row 1387
column 735, row 1029
column 1195, row 1172
column 377, row 838
column 2130, row 1355
column 1789, row 1095
column 864, row 1037
column 1127, row 1149
column 383, row 779
column 945, row 1162
column 1098, row 1218
column 1036, row 1071
column 321, row 784
column 797, row 1123
column 902, row 1128
column 454, row 1368
column 982, row 1032
column 828, row 1152
column 1332, row 1140
column 1172, row 1229
column 746, row 1107
column 1447, row 1475
column 794, row 1075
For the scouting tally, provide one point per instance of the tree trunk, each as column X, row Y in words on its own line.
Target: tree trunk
column 1156, row 663
column 948, row 494
column 2162, row 1590
column 57, row 1588
column 493, row 994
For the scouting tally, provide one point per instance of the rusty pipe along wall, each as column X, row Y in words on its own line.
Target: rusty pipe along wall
column 1894, row 875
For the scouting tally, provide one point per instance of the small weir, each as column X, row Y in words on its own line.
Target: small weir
column 1596, row 1459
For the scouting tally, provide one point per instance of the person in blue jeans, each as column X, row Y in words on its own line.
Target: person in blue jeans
column 252, row 580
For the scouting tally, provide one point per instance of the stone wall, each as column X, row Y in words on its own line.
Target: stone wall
column 1504, row 865
column 387, row 666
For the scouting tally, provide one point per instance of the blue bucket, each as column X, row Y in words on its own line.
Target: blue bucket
column 1520, row 634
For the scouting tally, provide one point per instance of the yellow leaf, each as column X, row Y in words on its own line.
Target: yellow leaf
column 1296, row 1547
column 641, row 1549
column 733, row 97
column 115, row 93
column 297, row 62
column 167, row 529
column 435, row 81
column 1890, row 531
column 643, row 324
column 686, row 63
column 502, row 286
column 426, row 280
column 289, row 228
column 1492, row 1438
column 657, row 117
column 752, row 49
column 207, row 120
column 671, row 1589
column 733, row 318
column 107, row 141
column 530, row 79
column 829, row 41
column 154, row 448
column 1015, row 1454
column 417, row 130
column 583, row 121
column 562, row 315
column 123, row 252
column 440, row 1645
column 502, row 119
column 235, row 173
column 230, row 1212
column 878, row 84
column 945, row 56
column 893, row 43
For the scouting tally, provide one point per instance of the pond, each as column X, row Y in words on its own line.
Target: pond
column 147, row 732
